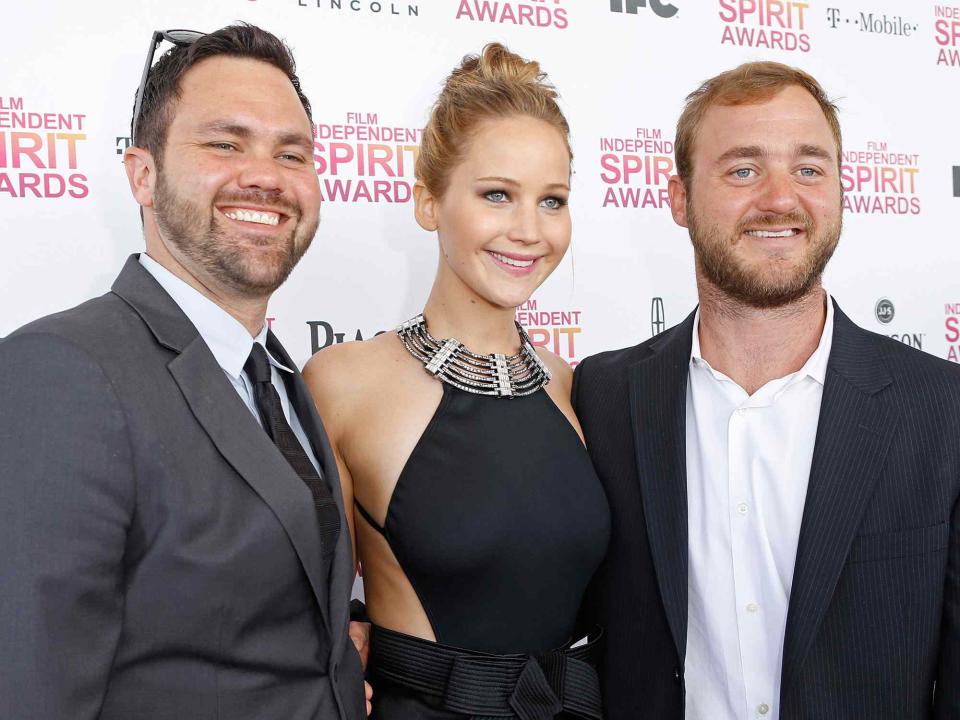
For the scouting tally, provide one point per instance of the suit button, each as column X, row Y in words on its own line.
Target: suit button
column 676, row 674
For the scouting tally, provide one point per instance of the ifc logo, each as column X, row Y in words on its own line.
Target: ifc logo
column 660, row 8
column 884, row 311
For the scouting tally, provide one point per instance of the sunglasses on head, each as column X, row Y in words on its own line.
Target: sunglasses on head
column 180, row 38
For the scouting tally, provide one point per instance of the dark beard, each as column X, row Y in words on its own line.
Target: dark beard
column 194, row 231
column 716, row 260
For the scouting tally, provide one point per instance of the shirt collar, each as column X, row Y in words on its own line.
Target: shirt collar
column 815, row 366
column 226, row 337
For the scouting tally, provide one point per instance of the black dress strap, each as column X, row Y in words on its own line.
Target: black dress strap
column 369, row 518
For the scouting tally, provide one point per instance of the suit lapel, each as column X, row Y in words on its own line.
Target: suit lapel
column 853, row 434
column 658, row 391
column 227, row 421
column 306, row 411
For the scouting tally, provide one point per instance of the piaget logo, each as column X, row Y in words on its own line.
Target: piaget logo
column 323, row 334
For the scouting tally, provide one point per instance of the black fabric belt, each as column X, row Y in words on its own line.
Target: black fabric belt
column 485, row 686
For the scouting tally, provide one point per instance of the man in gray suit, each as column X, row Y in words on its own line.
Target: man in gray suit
column 171, row 523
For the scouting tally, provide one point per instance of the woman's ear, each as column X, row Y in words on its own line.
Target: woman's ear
column 425, row 207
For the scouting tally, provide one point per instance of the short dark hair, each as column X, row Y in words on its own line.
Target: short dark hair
column 163, row 84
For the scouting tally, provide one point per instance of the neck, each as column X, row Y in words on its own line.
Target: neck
column 249, row 312
column 453, row 310
column 753, row 346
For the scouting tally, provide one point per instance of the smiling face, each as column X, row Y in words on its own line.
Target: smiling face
column 763, row 204
column 503, row 222
column 237, row 200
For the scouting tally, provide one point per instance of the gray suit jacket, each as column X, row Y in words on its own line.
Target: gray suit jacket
column 158, row 556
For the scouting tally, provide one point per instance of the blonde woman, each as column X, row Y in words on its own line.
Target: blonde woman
column 479, row 518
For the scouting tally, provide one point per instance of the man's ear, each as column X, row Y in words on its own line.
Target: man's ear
column 678, row 200
column 141, row 174
column 425, row 207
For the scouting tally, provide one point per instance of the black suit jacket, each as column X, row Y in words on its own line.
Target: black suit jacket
column 873, row 626
column 159, row 558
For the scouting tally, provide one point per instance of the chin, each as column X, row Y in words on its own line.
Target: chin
column 511, row 300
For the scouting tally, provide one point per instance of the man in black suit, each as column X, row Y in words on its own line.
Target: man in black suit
column 784, row 485
column 171, row 523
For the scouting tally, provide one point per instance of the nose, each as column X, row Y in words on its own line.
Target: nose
column 525, row 224
column 779, row 193
column 260, row 171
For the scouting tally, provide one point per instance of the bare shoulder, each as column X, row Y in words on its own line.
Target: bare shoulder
column 559, row 368
column 350, row 358
column 348, row 372
column 560, row 386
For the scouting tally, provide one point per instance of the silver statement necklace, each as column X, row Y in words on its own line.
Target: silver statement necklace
column 495, row 374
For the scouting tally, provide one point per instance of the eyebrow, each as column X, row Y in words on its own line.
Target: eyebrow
column 815, row 151
column 509, row 181
column 748, row 152
column 242, row 131
column 742, row 152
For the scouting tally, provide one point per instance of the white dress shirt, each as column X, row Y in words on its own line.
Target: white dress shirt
column 748, row 464
column 230, row 344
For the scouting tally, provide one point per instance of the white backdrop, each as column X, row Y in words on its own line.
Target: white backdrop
column 371, row 68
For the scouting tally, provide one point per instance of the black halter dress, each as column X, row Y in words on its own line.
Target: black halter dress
column 498, row 521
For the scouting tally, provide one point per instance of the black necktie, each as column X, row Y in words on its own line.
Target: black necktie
column 271, row 415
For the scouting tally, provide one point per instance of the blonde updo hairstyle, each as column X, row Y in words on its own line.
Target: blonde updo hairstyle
column 495, row 84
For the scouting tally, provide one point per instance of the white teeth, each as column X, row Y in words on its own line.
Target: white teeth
column 510, row 261
column 263, row 218
column 769, row 234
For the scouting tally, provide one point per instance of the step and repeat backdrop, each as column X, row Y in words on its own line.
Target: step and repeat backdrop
column 372, row 68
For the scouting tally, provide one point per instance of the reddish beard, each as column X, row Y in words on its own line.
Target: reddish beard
column 778, row 281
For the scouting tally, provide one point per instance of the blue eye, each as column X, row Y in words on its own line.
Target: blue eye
column 743, row 173
column 809, row 172
column 497, row 196
column 553, row 203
